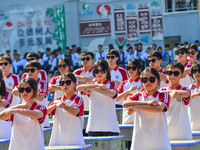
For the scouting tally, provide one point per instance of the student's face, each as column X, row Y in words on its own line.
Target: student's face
column 100, row 48
column 136, row 47
column 87, row 63
column 26, row 95
column 132, row 70
column 153, row 47
column 196, row 75
column 32, row 72
column 113, row 59
column 173, row 79
column 69, row 86
column 101, row 75
column 192, row 54
column 48, row 52
column 155, row 64
column 139, row 47
column 67, row 51
column 148, row 86
column 5, row 66
column 166, row 48
column 63, row 67
column 31, row 59
column 181, row 57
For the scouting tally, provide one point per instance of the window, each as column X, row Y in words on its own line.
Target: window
column 181, row 5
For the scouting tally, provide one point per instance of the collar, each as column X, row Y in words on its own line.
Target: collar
column 154, row 95
column 161, row 70
column 136, row 80
column 178, row 88
column 105, row 82
column 8, row 76
column 185, row 64
column 33, row 106
column 116, row 68
column 89, row 70
column 71, row 99
column 38, row 80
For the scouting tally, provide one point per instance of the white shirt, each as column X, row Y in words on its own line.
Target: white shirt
column 150, row 128
column 178, row 119
column 101, row 55
column 125, row 85
column 17, row 65
column 124, row 57
column 60, row 56
column 139, row 56
column 53, row 62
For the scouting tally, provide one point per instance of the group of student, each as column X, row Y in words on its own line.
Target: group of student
column 162, row 104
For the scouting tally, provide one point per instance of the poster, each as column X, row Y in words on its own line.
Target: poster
column 144, row 21
column 95, row 28
column 157, row 27
column 119, row 18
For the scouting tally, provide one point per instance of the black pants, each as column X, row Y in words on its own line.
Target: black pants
column 91, row 133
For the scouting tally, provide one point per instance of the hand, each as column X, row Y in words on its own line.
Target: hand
column 174, row 94
column 60, row 104
column 133, row 88
column 190, row 60
column 153, row 103
column 131, row 110
column 57, row 86
column 11, row 111
column 89, row 90
column 192, row 87
column 95, row 79
column 26, row 105
column 103, row 86
column 193, row 95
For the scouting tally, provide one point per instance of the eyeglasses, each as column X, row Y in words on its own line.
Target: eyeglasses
column 27, row 89
column 131, row 68
column 193, row 53
column 151, row 79
column 85, row 58
column 62, row 66
column 30, row 59
column 110, row 57
column 152, row 60
column 97, row 71
column 181, row 52
column 67, row 82
column 195, row 71
column 176, row 73
column 4, row 63
column 32, row 70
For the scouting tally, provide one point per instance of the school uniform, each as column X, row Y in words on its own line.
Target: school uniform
column 67, row 128
column 188, row 79
column 5, row 126
column 163, row 83
column 118, row 74
column 102, row 116
column 101, row 55
column 11, row 81
column 178, row 120
column 194, row 110
column 83, row 72
column 150, row 128
column 124, row 86
column 27, row 133
column 43, row 89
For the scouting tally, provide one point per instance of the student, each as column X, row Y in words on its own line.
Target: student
column 177, row 119
column 192, row 54
column 166, row 55
column 154, row 47
column 181, row 56
column 150, row 109
column 100, row 54
column 117, row 73
column 33, row 69
column 155, row 60
column 68, row 111
column 6, row 98
column 123, row 57
column 11, row 80
column 194, row 105
column 129, row 87
column 102, row 119
column 27, row 118
column 87, row 59
column 64, row 66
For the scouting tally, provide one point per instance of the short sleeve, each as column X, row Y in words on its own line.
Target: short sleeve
column 53, row 81
column 52, row 103
column 120, row 88
column 113, row 86
column 135, row 97
column 24, row 76
column 80, row 105
column 16, row 81
column 123, row 73
column 186, row 100
column 77, row 72
column 164, row 98
column 44, row 88
column 8, row 97
column 43, row 109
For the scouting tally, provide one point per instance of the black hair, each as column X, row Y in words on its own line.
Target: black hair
column 159, row 47
column 73, row 46
column 153, row 71
column 104, row 65
column 175, row 65
column 193, row 46
column 110, row 46
column 176, row 44
column 67, row 47
column 32, row 83
column 197, row 41
column 66, row 60
column 186, row 43
column 156, row 54
column 154, row 44
column 3, row 86
column 32, row 54
column 48, row 49
column 130, row 48
column 137, row 64
column 120, row 47
column 7, row 51
column 167, row 45
column 34, row 63
column 100, row 45
column 139, row 44
column 194, row 66
column 69, row 75
column 7, row 58
column 88, row 53
column 112, row 52
column 182, row 48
